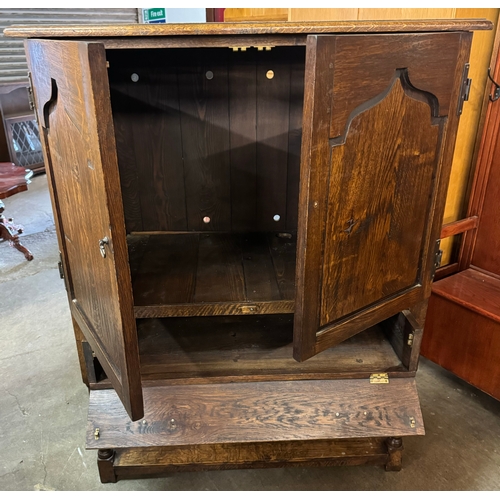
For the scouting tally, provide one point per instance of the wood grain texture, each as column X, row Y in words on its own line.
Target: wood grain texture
column 314, row 150
column 204, row 105
column 470, row 127
column 487, row 242
column 430, row 60
column 473, row 290
column 212, row 274
column 406, row 13
column 376, row 215
column 315, row 14
column 257, row 412
column 459, row 227
column 486, row 151
column 153, row 462
column 72, row 100
column 297, row 73
column 252, row 348
column 193, row 41
column 148, row 138
column 273, row 113
column 53, row 31
column 464, row 339
column 190, row 148
column 238, row 15
column 242, row 74
column 321, row 209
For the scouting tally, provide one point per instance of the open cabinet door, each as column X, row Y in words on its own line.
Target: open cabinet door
column 380, row 119
column 74, row 111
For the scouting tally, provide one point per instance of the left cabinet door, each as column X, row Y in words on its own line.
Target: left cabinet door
column 71, row 94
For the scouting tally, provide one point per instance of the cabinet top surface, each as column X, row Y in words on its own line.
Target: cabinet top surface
column 257, row 28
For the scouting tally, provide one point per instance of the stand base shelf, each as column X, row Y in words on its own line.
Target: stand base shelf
column 252, row 425
column 136, row 463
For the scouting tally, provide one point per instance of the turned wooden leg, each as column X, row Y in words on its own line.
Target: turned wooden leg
column 7, row 232
column 105, row 460
column 395, row 449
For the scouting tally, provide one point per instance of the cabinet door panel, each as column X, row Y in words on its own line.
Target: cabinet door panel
column 375, row 164
column 72, row 100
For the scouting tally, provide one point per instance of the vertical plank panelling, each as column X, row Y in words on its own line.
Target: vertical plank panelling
column 294, row 141
column 161, row 181
column 203, row 91
column 272, row 138
column 145, row 100
column 243, row 130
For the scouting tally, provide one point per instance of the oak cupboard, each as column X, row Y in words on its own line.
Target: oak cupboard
column 248, row 217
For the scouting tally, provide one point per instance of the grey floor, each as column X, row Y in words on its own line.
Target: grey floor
column 43, row 403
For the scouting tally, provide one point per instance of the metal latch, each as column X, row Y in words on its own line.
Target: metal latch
column 410, row 339
column 379, row 378
column 464, row 89
column 31, row 98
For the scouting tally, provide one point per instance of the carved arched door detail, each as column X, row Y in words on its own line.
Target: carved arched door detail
column 374, row 170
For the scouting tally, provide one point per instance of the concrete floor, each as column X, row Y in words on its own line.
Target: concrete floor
column 43, row 403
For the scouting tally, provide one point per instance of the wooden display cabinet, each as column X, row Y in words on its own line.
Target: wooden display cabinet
column 248, row 217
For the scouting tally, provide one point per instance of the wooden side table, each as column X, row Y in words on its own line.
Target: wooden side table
column 13, row 179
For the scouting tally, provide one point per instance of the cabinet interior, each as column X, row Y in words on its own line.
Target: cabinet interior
column 208, row 144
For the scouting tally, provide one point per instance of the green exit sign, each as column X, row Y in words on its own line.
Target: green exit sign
column 154, row 16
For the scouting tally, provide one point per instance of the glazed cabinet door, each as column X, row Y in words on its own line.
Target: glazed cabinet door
column 380, row 119
column 71, row 94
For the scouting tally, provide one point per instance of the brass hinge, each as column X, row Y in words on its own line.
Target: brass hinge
column 438, row 255
column 31, row 98
column 379, row 378
column 464, row 89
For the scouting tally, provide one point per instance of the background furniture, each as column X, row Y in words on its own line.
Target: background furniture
column 205, row 158
column 462, row 331
column 13, row 180
column 21, row 128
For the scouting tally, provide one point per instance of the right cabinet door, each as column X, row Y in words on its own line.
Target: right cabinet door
column 380, row 120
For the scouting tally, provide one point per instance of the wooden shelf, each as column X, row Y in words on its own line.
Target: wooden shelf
column 211, row 274
column 204, row 350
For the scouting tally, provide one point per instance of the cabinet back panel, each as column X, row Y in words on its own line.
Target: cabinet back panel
column 208, row 139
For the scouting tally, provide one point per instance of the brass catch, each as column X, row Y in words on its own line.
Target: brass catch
column 379, row 378
column 96, row 433
column 410, row 339
column 253, row 309
column 412, row 422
